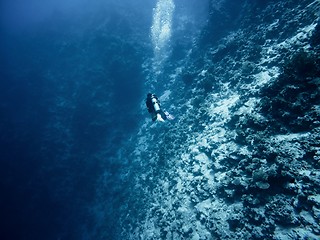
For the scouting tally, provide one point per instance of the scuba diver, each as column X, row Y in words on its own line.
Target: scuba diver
column 153, row 106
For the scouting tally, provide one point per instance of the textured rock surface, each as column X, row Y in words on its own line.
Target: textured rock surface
column 242, row 158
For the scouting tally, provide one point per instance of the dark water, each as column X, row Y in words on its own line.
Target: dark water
column 70, row 80
column 71, row 87
column 73, row 78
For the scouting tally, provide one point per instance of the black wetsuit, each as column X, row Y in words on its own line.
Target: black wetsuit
column 150, row 107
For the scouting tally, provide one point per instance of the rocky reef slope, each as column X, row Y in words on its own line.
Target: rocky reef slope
column 242, row 158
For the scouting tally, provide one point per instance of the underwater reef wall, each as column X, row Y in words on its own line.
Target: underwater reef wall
column 242, row 158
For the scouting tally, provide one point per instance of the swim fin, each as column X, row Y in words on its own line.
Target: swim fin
column 168, row 115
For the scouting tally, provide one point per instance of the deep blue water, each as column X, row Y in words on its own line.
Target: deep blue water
column 73, row 78
column 55, row 72
column 71, row 88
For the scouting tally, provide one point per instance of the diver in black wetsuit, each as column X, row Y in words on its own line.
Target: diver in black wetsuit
column 153, row 106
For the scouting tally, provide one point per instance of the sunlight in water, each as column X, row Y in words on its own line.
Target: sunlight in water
column 161, row 28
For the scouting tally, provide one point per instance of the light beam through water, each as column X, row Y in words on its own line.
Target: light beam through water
column 161, row 29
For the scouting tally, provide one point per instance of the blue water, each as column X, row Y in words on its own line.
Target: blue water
column 71, row 87
column 73, row 78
